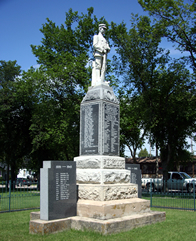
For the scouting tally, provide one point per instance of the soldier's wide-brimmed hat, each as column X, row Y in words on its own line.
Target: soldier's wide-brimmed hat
column 102, row 25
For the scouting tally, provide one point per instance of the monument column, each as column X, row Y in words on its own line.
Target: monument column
column 101, row 173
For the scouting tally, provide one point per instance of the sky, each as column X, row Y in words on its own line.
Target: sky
column 20, row 21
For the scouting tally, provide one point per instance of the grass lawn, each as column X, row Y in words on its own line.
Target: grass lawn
column 23, row 199
column 179, row 225
column 172, row 202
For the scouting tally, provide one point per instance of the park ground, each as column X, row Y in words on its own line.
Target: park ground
column 179, row 225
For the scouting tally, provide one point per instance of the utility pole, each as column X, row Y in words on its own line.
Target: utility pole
column 157, row 162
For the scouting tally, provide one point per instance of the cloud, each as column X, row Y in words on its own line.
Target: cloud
column 36, row 66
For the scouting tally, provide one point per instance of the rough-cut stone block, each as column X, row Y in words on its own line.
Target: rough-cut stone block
column 100, row 162
column 102, row 176
column 112, row 162
column 103, row 192
column 87, row 162
column 115, row 176
column 47, row 227
column 112, row 209
column 118, row 224
column 88, row 176
column 34, row 215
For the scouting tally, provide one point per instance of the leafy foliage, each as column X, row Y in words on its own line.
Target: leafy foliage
column 40, row 111
column 143, row 153
column 165, row 87
column 15, row 115
column 133, row 128
column 62, row 80
column 176, row 19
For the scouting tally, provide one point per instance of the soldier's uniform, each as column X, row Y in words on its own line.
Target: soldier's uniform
column 101, row 48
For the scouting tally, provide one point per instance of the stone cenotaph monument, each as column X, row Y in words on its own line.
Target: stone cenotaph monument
column 107, row 201
column 105, row 193
column 101, row 173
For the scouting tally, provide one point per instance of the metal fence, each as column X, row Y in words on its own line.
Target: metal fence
column 174, row 195
column 19, row 196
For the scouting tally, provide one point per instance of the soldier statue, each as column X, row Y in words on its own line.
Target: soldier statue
column 101, row 48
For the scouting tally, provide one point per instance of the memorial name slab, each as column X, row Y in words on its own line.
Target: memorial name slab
column 99, row 128
column 89, row 129
column 111, row 129
column 58, row 190
column 135, row 176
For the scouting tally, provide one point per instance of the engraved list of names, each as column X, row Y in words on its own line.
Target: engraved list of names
column 89, row 129
column 111, row 129
column 62, row 186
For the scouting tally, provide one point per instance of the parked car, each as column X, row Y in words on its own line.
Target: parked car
column 23, row 181
column 176, row 181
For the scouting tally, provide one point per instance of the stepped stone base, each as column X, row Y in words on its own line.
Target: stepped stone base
column 109, row 226
column 103, row 217
column 117, row 225
column 112, row 209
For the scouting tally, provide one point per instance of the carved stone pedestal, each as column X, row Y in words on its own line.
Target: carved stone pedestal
column 109, row 192
column 103, row 178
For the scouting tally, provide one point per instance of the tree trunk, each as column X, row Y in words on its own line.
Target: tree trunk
column 157, row 163
column 165, row 159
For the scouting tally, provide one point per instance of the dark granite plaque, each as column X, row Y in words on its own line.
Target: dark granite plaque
column 58, row 186
column 89, row 129
column 111, row 129
column 135, row 176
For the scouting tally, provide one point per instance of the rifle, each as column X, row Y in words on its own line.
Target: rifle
column 103, row 69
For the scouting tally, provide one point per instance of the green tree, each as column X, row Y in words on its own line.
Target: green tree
column 132, row 127
column 9, row 70
column 61, row 81
column 15, row 115
column 165, row 86
column 176, row 19
column 143, row 153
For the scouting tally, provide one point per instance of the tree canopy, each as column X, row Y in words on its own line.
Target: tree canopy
column 176, row 20
column 15, row 115
column 62, row 80
column 165, row 86
column 46, row 101
column 143, row 153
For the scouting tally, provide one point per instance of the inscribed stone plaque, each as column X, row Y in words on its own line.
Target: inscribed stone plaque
column 58, row 190
column 135, row 176
column 89, row 129
column 111, row 129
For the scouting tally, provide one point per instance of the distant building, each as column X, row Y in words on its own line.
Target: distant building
column 24, row 173
column 148, row 166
